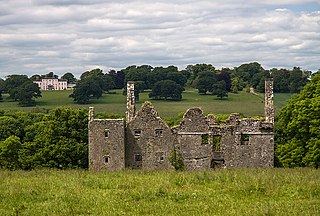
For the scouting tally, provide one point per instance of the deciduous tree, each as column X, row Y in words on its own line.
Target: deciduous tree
column 58, row 141
column 22, row 89
column 92, row 84
column 205, row 81
column 219, row 89
column 85, row 89
column 69, row 77
column 297, row 128
column 26, row 92
column 9, row 153
column 166, row 89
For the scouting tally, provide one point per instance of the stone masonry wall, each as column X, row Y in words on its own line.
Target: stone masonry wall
column 149, row 141
column 248, row 143
column 145, row 141
column 106, row 144
column 193, row 135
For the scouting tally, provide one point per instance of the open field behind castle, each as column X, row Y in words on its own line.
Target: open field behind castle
column 247, row 104
column 130, row 192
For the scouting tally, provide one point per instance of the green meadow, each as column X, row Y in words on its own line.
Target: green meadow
column 245, row 103
column 273, row 191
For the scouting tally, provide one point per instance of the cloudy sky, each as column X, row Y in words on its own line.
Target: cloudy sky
column 39, row 36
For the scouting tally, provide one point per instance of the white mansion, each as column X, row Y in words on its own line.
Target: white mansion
column 53, row 84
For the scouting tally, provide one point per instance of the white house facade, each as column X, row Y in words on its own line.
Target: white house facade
column 52, row 84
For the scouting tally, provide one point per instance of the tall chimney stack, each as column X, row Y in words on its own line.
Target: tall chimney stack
column 268, row 105
column 131, row 108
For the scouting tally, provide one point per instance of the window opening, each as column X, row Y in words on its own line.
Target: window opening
column 106, row 158
column 137, row 157
column 217, row 143
column 158, row 132
column 106, row 133
column 137, row 132
column 205, row 139
column 245, row 139
column 160, row 156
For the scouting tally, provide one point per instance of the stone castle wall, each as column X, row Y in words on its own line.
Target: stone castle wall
column 107, row 144
column 145, row 141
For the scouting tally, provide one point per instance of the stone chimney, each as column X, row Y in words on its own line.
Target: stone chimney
column 91, row 114
column 131, row 108
column 268, row 106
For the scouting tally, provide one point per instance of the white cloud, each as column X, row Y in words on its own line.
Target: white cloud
column 38, row 36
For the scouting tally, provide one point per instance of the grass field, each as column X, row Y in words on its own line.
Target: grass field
column 131, row 192
column 247, row 104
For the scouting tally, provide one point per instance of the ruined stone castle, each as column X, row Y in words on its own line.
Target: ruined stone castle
column 144, row 141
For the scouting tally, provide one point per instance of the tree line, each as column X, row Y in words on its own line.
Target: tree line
column 59, row 138
column 166, row 83
column 169, row 82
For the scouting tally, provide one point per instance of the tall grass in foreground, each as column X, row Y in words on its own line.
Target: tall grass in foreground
column 130, row 192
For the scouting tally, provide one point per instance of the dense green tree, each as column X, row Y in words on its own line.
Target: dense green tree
column 12, row 82
column 30, row 140
column 97, row 72
column 9, row 153
column 297, row 128
column 119, row 79
column 14, row 122
column 91, row 85
column 257, row 80
column 160, row 73
column 195, row 70
column 234, row 85
column 219, row 89
column 297, row 80
column 245, row 73
column 106, row 82
column 85, row 89
column 280, row 80
column 26, row 92
column 225, row 75
column 58, row 141
column 22, row 89
column 35, row 77
column 50, row 75
column 166, row 89
column 248, row 70
column 69, row 77
column 178, row 77
column 140, row 73
column 286, row 81
column 150, row 75
column 186, row 73
column 205, row 81
column 9, row 126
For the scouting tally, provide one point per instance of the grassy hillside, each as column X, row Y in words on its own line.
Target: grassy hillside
column 247, row 104
column 216, row 192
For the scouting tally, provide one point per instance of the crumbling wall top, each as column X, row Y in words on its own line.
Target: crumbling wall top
column 194, row 121
column 147, row 111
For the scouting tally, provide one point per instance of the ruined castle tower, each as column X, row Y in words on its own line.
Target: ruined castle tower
column 131, row 108
column 268, row 106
